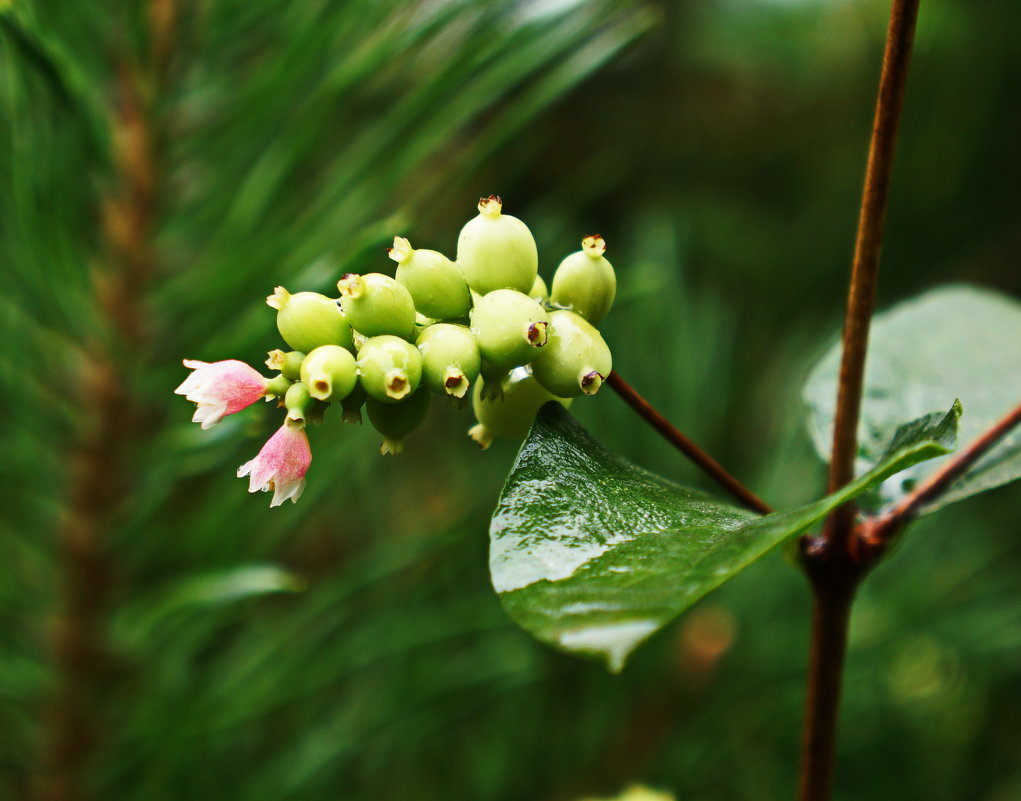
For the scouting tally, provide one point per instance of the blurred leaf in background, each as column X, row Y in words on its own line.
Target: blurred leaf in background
column 164, row 164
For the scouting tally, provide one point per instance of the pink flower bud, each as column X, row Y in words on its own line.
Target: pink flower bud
column 281, row 465
column 221, row 388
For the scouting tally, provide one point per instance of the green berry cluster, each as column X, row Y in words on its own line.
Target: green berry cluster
column 484, row 322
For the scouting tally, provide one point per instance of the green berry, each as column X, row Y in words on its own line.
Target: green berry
column 510, row 327
column 307, row 320
column 396, row 420
column 434, row 281
column 351, row 406
column 509, row 415
column 289, row 364
column 497, row 251
column 575, row 359
column 389, row 368
column 539, row 291
column 298, row 402
column 329, row 372
column 450, row 359
column 375, row 304
column 585, row 282
column 278, row 386
column 317, row 411
column 493, row 379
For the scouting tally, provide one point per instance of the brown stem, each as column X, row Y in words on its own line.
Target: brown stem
column 702, row 459
column 833, row 590
column 829, row 561
column 878, row 533
column 862, row 294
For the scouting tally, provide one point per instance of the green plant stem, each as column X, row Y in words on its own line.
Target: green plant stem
column 830, row 562
column 672, row 435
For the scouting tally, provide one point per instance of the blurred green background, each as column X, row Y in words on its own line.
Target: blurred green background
column 165, row 164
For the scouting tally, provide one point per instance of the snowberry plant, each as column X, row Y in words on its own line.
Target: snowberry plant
column 484, row 323
column 590, row 553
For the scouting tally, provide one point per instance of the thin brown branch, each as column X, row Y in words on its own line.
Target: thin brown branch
column 879, row 532
column 829, row 562
column 862, row 294
column 702, row 459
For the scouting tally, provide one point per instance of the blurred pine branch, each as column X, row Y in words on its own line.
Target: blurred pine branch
column 166, row 165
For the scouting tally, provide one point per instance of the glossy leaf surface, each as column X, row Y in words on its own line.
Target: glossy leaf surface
column 593, row 554
column 953, row 342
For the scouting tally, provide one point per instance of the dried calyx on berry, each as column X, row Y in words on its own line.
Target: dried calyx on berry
column 329, row 372
column 497, row 251
column 389, row 368
column 585, row 281
column 287, row 363
column 576, row 359
column 450, row 359
column 510, row 327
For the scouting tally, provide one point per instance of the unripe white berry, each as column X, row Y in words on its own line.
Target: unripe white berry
column 307, row 320
column 298, row 402
column 351, row 406
column 375, row 304
column 329, row 372
column 434, row 281
column 450, row 359
column 389, row 368
column 497, row 251
column 575, row 360
column 510, row 328
column 396, row 420
column 510, row 412
column 585, row 281
column 539, row 291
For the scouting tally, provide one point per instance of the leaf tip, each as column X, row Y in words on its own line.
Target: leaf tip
column 612, row 642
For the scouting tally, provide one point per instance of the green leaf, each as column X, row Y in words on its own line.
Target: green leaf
column 592, row 554
column 953, row 342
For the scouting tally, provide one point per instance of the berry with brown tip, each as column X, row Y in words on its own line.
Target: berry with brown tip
column 496, row 250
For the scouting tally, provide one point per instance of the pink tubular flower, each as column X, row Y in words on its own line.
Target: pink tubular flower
column 281, row 465
column 221, row 388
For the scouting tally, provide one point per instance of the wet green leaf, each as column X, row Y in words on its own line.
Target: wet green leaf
column 953, row 342
column 592, row 554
